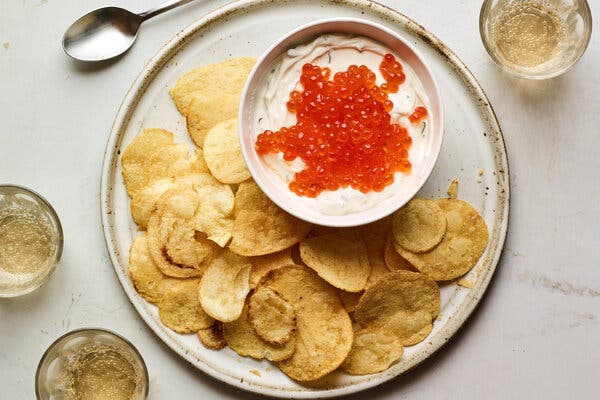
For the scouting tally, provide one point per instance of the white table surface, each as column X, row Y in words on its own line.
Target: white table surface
column 536, row 334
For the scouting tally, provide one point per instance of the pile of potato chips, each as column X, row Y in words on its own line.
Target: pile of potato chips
column 221, row 260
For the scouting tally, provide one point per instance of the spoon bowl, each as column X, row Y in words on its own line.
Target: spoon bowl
column 102, row 34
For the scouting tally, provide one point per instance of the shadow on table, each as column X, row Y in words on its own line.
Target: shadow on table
column 535, row 95
column 26, row 303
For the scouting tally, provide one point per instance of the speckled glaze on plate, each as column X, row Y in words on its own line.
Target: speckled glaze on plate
column 473, row 152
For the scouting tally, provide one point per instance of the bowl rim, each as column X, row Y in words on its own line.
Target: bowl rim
column 375, row 212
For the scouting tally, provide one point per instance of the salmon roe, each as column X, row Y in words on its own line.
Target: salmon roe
column 343, row 134
column 418, row 115
column 391, row 70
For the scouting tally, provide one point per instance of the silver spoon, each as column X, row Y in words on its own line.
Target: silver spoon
column 108, row 32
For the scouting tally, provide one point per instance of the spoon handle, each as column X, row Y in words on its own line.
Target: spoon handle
column 169, row 5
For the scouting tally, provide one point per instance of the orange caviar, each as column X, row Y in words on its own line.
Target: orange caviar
column 343, row 134
column 391, row 69
column 418, row 115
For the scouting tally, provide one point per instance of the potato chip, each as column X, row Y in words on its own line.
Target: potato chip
column 419, row 226
column 376, row 232
column 340, row 258
column 168, row 282
column 234, row 187
column 378, row 271
column 374, row 236
column 224, row 286
column 403, row 302
column 320, row 230
column 373, row 350
column 323, row 327
column 295, row 250
column 198, row 164
column 243, row 339
column 175, row 246
column 260, row 227
column 212, row 338
column 223, row 154
column 215, row 206
column 466, row 283
column 273, row 318
column 204, row 112
column 145, row 276
column 211, row 81
column 180, row 309
column 250, row 197
column 453, row 189
column 263, row 264
column 143, row 201
column 349, row 299
column 463, row 244
column 395, row 261
column 152, row 155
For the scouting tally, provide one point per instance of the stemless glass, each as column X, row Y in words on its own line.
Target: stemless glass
column 535, row 39
column 31, row 240
column 61, row 372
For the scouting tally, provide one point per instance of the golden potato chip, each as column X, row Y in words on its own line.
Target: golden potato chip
column 323, row 327
column 466, row 283
column 378, row 271
column 419, row 226
column 373, row 350
column 242, row 338
column 180, row 309
column 212, row 338
column 273, row 318
column 210, row 81
column 223, row 154
column 349, row 299
column 168, row 282
column 224, row 286
column 453, row 189
column 340, row 258
column 143, row 201
column 403, row 302
column 260, row 227
column 215, row 206
column 374, row 235
column 152, row 155
column 175, row 246
column 145, row 276
column 198, row 164
column 295, row 250
column 395, row 261
column 462, row 245
column 376, row 232
column 320, row 230
column 250, row 197
column 234, row 187
column 263, row 264
column 204, row 112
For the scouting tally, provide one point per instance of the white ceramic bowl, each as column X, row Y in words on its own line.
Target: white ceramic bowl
column 274, row 187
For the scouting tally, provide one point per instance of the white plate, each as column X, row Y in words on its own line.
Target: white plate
column 473, row 142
